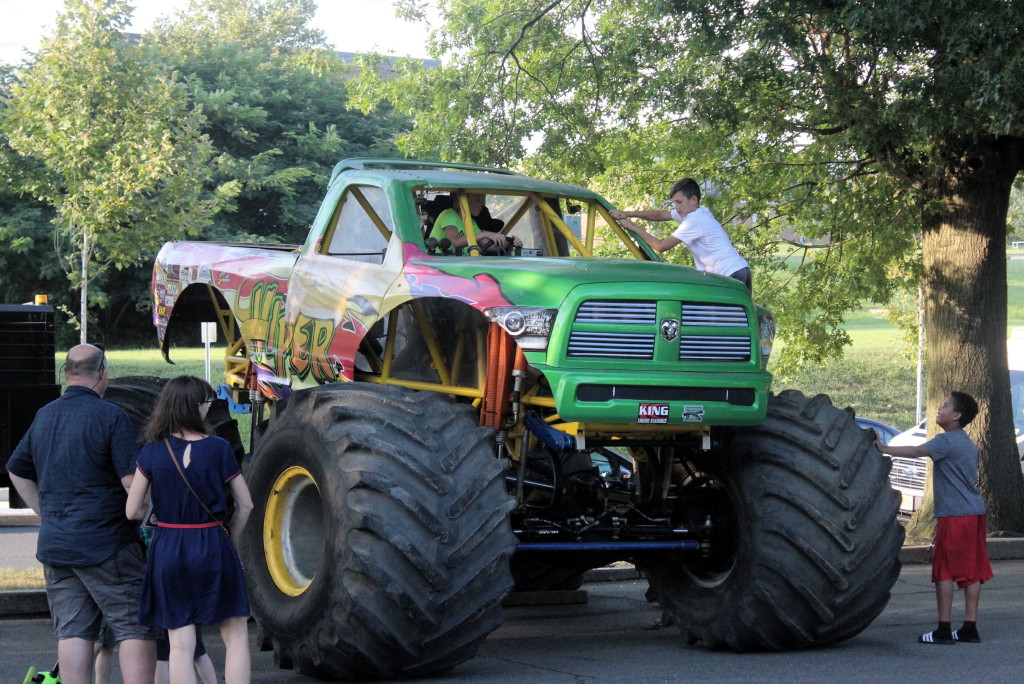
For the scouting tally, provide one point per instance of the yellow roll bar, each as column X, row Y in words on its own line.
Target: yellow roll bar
column 562, row 227
column 371, row 212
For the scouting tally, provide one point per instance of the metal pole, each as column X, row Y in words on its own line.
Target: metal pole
column 209, row 336
column 207, row 345
column 920, row 353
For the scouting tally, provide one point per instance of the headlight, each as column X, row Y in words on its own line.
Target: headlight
column 529, row 325
column 766, row 326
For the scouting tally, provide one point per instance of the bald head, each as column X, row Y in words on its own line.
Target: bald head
column 85, row 364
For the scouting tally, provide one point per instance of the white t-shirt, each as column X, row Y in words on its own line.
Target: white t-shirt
column 708, row 242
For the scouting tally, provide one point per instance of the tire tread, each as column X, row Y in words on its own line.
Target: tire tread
column 422, row 537
column 819, row 550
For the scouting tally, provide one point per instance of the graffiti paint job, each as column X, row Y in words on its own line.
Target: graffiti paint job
column 225, row 267
column 426, row 279
column 301, row 323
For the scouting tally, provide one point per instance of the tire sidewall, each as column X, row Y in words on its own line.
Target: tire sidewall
column 414, row 543
column 137, row 396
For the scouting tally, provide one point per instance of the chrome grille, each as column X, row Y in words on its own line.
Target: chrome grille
column 713, row 314
column 596, row 345
column 713, row 348
column 642, row 315
column 907, row 473
column 616, row 311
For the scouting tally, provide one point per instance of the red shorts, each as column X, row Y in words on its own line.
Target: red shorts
column 961, row 552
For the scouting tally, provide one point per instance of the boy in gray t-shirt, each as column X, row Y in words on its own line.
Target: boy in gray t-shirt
column 960, row 552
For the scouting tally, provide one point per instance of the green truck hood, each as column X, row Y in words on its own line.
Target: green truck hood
column 546, row 282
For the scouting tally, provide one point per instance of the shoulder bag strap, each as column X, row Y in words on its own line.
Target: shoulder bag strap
column 188, row 484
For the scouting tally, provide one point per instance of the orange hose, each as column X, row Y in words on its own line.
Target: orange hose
column 520, row 363
column 504, row 378
column 487, row 407
column 500, row 348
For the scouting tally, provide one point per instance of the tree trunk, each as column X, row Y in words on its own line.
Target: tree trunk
column 964, row 259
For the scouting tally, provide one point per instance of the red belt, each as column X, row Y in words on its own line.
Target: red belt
column 187, row 527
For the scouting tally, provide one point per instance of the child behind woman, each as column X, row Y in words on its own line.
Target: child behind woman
column 202, row 662
column 193, row 575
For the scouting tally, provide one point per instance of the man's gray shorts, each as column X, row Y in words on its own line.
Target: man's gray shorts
column 80, row 598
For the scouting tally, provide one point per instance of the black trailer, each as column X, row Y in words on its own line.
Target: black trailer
column 28, row 377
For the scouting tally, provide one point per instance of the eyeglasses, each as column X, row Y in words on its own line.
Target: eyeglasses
column 207, row 402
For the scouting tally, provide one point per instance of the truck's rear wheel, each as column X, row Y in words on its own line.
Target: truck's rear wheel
column 380, row 539
column 137, row 395
column 805, row 535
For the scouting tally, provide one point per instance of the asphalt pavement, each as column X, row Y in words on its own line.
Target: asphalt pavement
column 609, row 640
column 609, row 637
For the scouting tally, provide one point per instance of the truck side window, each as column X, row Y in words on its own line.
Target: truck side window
column 356, row 233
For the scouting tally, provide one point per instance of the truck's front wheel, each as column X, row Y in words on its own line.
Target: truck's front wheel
column 804, row 535
column 380, row 539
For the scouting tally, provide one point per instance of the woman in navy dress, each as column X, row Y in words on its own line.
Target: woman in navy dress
column 193, row 575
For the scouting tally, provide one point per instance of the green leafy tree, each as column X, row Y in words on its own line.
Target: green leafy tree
column 870, row 123
column 109, row 141
column 27, row 232
column 27, row 254
column 530, row 75
column 274, row 97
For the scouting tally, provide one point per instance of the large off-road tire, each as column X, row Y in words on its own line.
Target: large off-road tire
column 137, row 395
column 805, row 534
column 380, row 540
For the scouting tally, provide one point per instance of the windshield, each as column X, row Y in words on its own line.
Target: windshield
column 542, row 225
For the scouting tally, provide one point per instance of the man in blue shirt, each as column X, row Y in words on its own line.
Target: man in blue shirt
column 960, row 553
column 73, row 467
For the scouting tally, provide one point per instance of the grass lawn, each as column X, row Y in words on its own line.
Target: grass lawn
column 190, row 360
column 875, row 376
column 21, row 579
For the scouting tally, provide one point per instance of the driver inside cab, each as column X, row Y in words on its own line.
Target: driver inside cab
column 449, row 225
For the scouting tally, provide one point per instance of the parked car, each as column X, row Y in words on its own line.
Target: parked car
column 882, row 431
column 907, row 474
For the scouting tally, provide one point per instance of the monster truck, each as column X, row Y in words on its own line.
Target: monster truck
column 433, row 426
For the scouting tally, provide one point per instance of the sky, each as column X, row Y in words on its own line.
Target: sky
column 350, row 25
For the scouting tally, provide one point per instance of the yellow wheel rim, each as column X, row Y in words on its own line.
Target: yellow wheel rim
column 293, row 531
